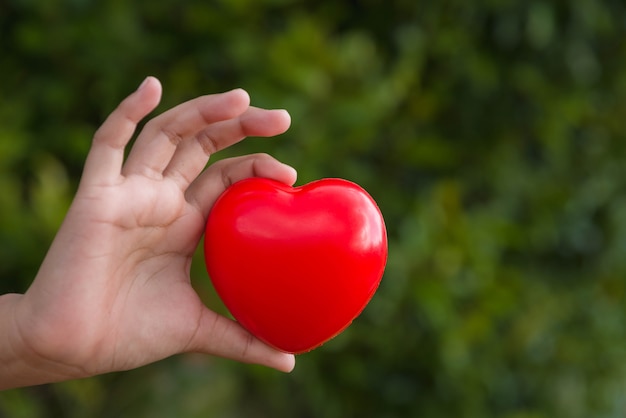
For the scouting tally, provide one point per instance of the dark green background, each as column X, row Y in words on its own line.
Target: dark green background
column 491, row 133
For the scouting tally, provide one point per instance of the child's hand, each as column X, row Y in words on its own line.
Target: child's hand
column 113, row 292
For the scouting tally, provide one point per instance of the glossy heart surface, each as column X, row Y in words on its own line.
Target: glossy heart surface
column 295, row 265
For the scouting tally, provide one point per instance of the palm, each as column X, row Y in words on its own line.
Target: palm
column 114, row 291
column 152, row 300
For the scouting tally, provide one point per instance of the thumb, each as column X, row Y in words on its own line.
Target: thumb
column 223, row 337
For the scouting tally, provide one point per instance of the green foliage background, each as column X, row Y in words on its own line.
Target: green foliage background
column 491, row 133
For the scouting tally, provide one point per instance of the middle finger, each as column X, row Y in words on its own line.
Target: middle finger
column 159, row 139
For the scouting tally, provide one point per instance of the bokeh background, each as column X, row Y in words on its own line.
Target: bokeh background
column 492, row 134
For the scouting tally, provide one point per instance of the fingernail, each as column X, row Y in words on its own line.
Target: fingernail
column 242, row 92
column 286, row 112
column 293, row 173
column 143, row 83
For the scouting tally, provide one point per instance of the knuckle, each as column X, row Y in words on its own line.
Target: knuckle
column 174, row 137
column 208, row 143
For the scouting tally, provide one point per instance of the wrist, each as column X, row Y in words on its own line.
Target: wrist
column 19, row 363
column 10, row 347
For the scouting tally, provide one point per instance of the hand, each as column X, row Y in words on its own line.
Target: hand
column 114, row 292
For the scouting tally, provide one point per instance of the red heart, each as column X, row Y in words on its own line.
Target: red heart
column 296, row 265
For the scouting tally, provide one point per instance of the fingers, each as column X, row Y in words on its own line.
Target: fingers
column 178, row 143
column 106, row 156
column 235, row 343
column 191, row 155
column 160, row 138
column 205, row 190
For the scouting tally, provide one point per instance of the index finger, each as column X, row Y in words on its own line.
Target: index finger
column 106, row 156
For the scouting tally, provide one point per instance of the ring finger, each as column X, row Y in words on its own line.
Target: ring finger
column 191, row 156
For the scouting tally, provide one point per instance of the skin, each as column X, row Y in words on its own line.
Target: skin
column 113, row 293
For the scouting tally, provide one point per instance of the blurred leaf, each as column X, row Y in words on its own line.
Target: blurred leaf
column 490, row 133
